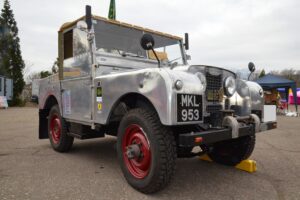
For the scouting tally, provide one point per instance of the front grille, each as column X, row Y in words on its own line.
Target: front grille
column 213, row 108
column 214, row 87
column 214, row 95
column 227, row 104
column 214, row 82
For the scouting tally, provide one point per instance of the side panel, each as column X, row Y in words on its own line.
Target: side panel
column 145, row 82
column 76, row 99
column 154, row 84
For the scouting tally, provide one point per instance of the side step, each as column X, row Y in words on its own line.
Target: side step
column 245, row 165
column 85, row 136
column 84, row 132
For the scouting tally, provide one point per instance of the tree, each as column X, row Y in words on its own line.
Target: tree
column 3, row 32
column 275, row 72
column 44, row 74
column 12, row 59
column 262, row 73
column 289, row 73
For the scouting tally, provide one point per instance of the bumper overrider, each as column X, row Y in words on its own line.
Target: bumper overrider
column 233, row 128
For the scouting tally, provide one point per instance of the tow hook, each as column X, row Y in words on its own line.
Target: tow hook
column 256, row 121
column 231, row 122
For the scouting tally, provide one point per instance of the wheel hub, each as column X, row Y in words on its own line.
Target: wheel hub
column 136, row 151
column 55, row 129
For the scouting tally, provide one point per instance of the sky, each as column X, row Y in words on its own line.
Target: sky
column 224, row 33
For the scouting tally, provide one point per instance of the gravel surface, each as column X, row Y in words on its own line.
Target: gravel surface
column 30, row 169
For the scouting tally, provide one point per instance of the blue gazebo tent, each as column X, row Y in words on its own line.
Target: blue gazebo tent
column 270, row 81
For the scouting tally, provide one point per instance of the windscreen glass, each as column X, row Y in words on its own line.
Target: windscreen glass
column 116, row 39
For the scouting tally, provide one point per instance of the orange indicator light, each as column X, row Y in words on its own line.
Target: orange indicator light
column 198, row 139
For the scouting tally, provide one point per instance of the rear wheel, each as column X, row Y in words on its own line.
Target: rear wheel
column 57, row 131
column 232, row 152
column 146, row 151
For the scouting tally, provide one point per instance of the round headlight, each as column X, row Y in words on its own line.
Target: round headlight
column 202, row 80
column 229, row 86
column 178, row 84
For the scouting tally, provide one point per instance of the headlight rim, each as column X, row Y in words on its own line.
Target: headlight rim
column 226, row 87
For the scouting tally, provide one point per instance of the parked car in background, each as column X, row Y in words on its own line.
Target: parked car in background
column 35, row 90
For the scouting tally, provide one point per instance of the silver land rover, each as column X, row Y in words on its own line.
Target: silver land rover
column 136, row 84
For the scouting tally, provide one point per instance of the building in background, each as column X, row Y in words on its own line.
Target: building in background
column 6, row 87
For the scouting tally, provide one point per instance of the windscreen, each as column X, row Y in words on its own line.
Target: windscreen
column 113, row 37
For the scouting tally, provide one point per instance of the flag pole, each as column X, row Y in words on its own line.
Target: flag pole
column 112, row 10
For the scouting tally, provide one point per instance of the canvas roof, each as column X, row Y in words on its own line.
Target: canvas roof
column 73, row 23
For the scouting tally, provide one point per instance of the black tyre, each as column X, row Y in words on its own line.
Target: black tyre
column 57, row 131
column 146, row 151
column 232, row 152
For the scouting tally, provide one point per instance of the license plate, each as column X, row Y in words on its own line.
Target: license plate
column 189, row 107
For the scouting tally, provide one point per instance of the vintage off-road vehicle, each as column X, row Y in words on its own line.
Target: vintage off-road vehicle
column 135, row 83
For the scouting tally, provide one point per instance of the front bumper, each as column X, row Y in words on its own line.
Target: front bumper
column 216, row 135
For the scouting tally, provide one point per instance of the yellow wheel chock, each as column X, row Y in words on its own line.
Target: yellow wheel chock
column 245, row 165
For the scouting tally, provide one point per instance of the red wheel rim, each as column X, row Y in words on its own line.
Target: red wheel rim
column 138, row 166
column 55, row 128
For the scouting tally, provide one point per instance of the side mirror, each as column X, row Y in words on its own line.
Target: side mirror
column 186, row 41
column 88, row 17
column 251, row 67
column 147, row 42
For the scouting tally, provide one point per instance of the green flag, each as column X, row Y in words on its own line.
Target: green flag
column 112, row 10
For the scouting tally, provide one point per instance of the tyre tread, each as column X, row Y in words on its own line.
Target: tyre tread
column 168, row 154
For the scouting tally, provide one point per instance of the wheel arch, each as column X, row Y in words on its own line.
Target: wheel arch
column 130, row 101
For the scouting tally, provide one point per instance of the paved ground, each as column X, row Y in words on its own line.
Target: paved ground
column 30, row 169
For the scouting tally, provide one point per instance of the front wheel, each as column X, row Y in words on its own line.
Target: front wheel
column 146, row 151
column 57, row 131
column 232, row 152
